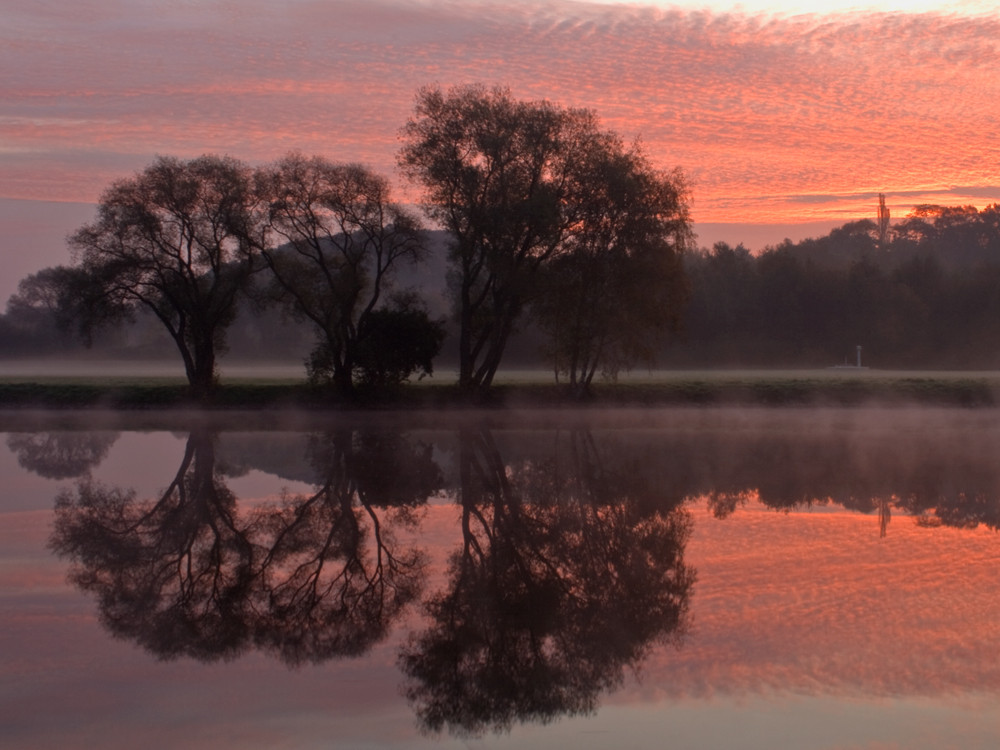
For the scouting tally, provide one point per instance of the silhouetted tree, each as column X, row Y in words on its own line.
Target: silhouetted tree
column 512, row 181
column 45, row 308
column 618, row 286
column 345, row 239
column 721, row 318
column 396, row 341
column 177, row 238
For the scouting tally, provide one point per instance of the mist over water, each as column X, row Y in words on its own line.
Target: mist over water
column 144, row 368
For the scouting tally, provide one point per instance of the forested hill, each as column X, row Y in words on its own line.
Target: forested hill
column 956, row 237
column 924, row 293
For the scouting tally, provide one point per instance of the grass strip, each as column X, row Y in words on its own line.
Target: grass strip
column 718, row 390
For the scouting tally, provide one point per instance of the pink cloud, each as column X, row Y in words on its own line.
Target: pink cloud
column 756, row 109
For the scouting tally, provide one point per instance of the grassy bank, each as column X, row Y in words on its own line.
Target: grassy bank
column 819, row 388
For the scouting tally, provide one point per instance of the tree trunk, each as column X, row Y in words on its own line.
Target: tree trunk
column 465, row 363
column 341, row 348
column 343, row 381
column 202, row 379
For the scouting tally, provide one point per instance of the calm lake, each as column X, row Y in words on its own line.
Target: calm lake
column 681, row 578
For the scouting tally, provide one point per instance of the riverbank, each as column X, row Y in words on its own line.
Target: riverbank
column 777, row 388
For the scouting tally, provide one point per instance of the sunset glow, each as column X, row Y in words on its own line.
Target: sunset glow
column 775, row 113
column 914, row 598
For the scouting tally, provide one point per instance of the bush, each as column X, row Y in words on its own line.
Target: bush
column 396, row 342
column 393, row 344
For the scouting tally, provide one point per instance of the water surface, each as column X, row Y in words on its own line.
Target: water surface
column 685, row 578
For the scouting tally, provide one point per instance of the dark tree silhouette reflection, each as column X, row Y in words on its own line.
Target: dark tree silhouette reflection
column 567, row 570
column 562, row 581
column 174, row 573
column 60, row 455
column 940, row 481
column 191, row 573
column 332, row 580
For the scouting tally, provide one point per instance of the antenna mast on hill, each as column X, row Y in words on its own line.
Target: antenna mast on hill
column 883, row 222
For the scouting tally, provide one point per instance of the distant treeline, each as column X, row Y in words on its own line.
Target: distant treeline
column 927, row 296
column 924, row 292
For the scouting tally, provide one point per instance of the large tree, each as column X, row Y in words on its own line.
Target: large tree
column 343, row 240
column 512, row 181
column 618, row 285
column 176, row 238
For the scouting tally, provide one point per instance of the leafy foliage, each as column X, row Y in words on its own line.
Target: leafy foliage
column 177, row 238
column 395, row 342
column 618, row 286
column 517, row 184
column 344, row 240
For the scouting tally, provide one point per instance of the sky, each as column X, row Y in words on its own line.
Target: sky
column 785, row 121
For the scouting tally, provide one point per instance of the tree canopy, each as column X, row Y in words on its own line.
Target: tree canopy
column 516, row 183
column 343, row 239
column 177, row 238
column 619, row 283
column 925, row 295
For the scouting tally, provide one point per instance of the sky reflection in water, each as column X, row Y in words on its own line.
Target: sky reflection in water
column 362, row 584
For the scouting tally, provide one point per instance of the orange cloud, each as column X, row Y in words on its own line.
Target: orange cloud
column 775, row 119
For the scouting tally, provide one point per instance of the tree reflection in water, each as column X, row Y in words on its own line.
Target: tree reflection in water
column 188, row 573
column 174, row 573
column 569, row 566
column 60, row 455
column 937, row 480
column 560, row 583
column 332, row 579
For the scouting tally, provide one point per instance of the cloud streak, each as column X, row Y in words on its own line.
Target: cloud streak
column 759, row 110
